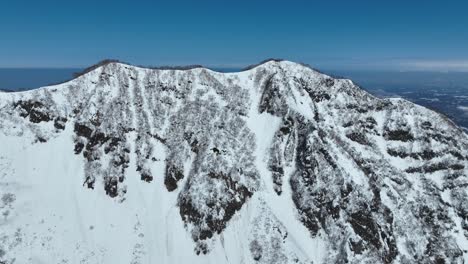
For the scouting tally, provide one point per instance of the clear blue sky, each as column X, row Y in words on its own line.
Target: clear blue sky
column 327, row 34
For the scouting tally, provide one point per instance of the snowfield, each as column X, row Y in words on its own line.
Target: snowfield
column 276, row 164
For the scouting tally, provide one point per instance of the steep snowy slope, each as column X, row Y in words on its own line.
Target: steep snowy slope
column 277, row 164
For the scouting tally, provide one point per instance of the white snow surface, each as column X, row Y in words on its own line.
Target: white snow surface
column 49, row 215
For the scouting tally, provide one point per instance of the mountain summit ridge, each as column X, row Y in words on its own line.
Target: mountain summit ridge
column 275, row 164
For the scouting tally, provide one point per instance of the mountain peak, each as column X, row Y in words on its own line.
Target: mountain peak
column 275, row 164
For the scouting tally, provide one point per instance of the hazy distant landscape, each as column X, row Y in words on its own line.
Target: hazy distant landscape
column 446, row 92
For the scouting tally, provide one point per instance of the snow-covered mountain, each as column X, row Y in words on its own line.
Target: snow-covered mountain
column 276, row 164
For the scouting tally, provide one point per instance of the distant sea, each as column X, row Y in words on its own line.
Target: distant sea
column 27, row 79
column 446, row 93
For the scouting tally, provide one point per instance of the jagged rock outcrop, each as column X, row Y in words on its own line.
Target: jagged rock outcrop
column 275, row 164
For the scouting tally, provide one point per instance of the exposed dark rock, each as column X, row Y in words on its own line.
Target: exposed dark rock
column 399, row 135
column 457, row 155
column 216, row 151
column 441, row 138
column 285, row 130
column 328, row 158
column 328, row 82
column 194, row 146
column 79, row 146
column 356, row 246
column 397, row 153
column 271, row 101
column 59, row 122
column 112, row 145
column 358, row 137
column 121, row 160
column 41, row 139
column 36, row 111
column 83, row 130
column 146, row 177
column 215, row 224
column 426, row 125
column 348, row 124
column 304, row 178
column 110, row 186
column 435, row 167
column 156, row 136
column 370, row 123
column 425, row 155
column 318, row 96
column 364, row 225
column 97, row 138
column 277, row 174
column 173, row 175
column 89, row 182
column 457, row 166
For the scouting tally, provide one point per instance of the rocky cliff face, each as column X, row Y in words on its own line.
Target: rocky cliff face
column 277, row 164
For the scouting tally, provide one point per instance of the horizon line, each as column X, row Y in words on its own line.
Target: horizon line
column 392, row 65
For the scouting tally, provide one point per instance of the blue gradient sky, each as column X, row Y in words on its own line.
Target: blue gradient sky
column 400, row 35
